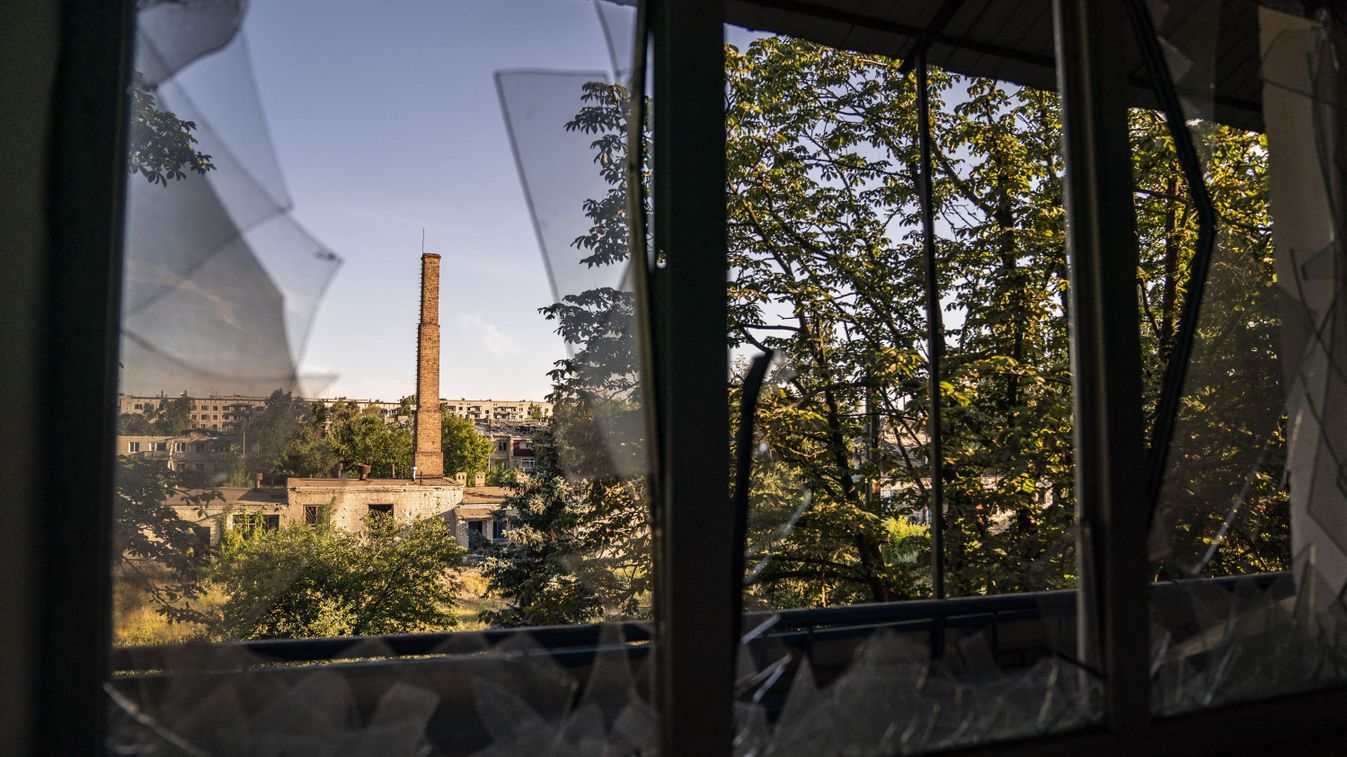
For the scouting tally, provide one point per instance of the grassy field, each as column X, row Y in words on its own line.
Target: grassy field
column 472, row 600
column 136, row 621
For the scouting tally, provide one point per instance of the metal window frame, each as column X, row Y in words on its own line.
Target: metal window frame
column 1105, row 358
column 79, row 390
column 80, row 320
column 694, row 603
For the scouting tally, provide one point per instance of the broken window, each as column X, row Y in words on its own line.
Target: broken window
column 901, row 396
column 247, row 523
column 879, row 326
column 1247, row 523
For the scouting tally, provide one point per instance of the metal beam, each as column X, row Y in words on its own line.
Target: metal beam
column 1167, row 408
column 915, row 54
column 694, row 598
column 935, row 331
column 1106, row 357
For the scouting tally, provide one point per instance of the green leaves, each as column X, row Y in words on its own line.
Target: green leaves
column 578, row 552
column 465, row 450
column 827, row 269
column 304, row 582
column 161, row 146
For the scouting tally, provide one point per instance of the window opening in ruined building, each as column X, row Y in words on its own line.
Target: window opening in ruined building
column 246, row 523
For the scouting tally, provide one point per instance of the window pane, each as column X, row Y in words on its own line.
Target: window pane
column 844, row 648
column 292, row 473
column 1248, row 524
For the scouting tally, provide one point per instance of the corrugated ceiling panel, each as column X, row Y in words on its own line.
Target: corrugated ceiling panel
column 1004, row 39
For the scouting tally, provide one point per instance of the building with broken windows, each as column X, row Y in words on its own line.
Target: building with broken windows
column 473, row 513
column 212, row 455
column 345, row 502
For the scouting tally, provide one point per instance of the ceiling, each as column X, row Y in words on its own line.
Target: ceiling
column 1012, row 40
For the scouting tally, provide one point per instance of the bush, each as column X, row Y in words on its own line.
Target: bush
column 307, row 582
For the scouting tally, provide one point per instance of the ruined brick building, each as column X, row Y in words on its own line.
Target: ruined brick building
column 469, row 510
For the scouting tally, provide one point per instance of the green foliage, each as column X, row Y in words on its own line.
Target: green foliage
column 1229, row 447
column 307, row 454
column 908, row 541
column 323, row 435
column 157, row 551
column 465, row 450
column 161, row 145
column 826, row 260
column 290, row 438
column 367, row 439
column 269, row 432
column 577, row 552
column 305, row 582
column 170, row 417
column 502, row 476
column 173, row 416
column 133, row 424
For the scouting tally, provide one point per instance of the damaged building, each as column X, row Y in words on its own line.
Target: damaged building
column 470, row 511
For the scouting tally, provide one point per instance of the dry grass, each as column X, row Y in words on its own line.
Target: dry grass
column 136, row 620
column 472, row 600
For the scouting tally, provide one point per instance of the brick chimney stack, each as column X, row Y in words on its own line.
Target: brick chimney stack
column 428, row 458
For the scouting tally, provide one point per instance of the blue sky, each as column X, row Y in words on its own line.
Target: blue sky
column 385, row 120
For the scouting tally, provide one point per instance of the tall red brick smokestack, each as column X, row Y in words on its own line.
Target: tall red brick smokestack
column 428, row 458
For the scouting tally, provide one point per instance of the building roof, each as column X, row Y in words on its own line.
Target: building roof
column 236, row 495
column 369, row 483
column 486, row 495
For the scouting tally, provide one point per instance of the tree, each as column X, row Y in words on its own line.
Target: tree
column 133, row 424
column 172, row 416
column 577, row 552
column 268, row 432
column 161, row 145
column 465, row 450
column 305, row 582
column 368, row 439
column 1224, row 508
column 158, row 551
column 499, row 475
column 307, row 454
column 825, row 251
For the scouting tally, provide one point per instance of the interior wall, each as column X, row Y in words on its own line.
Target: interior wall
column 29, row 42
